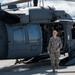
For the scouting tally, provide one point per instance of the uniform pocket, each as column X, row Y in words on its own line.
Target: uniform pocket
column 57, row 53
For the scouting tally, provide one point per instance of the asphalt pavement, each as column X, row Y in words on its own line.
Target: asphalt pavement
column 43, row 67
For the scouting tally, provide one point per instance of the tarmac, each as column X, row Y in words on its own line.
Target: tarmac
column 43, row 67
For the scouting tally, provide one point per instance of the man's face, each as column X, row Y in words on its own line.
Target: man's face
column 55, row 33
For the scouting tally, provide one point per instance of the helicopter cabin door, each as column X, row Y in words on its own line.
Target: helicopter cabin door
column 17, row 46
column 25, row 41
column 34, row 39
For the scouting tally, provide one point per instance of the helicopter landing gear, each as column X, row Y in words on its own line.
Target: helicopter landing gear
column 36, row 59
column 24, row 61
column 18, row 61
column 71, row 58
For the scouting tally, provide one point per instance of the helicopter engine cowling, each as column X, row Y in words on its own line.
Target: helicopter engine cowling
column 41, row 15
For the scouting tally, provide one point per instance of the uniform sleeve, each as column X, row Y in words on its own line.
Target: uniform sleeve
column 60, row 43
column 49, row 45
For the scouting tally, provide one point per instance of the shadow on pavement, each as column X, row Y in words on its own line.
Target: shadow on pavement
column 43, row 67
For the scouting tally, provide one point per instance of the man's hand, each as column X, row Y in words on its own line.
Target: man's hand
column 49, row 52
column 58, row 49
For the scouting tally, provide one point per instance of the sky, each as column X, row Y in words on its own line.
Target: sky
column 69, row 7
column 1, row 1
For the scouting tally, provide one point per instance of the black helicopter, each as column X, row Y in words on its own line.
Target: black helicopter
column 25, row 33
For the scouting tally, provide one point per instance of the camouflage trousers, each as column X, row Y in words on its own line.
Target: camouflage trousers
column 54, row 55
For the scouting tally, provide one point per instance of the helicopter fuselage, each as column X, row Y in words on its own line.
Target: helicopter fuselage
column 30, row 36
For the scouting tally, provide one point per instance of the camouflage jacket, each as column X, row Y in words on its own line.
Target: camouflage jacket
column 54, row 44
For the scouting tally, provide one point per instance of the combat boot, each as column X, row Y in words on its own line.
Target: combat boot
column 57, row 66
column 53, row 69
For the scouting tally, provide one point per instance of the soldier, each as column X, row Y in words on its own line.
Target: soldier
column 54, row 47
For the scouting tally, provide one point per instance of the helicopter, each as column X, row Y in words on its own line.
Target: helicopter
column 25, row 33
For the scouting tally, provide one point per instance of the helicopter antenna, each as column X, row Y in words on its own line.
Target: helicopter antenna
column 35, row 2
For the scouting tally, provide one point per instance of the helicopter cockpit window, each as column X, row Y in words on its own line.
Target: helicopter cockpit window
column 33, row 33
column 18, row 35
column 73, row 31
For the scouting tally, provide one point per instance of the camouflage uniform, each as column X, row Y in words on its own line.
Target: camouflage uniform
column 54, row 44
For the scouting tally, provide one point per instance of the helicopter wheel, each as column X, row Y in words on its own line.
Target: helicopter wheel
column 71, row 54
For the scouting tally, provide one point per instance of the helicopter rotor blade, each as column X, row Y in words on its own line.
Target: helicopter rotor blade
column 15, row 2
column 69, row 0
column 22, row 1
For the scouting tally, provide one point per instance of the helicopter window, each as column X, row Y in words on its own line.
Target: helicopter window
column 33, row 33
column 73, row 32
column 18, row 34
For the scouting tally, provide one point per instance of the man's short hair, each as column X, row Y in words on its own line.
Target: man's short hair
column 55, row 31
